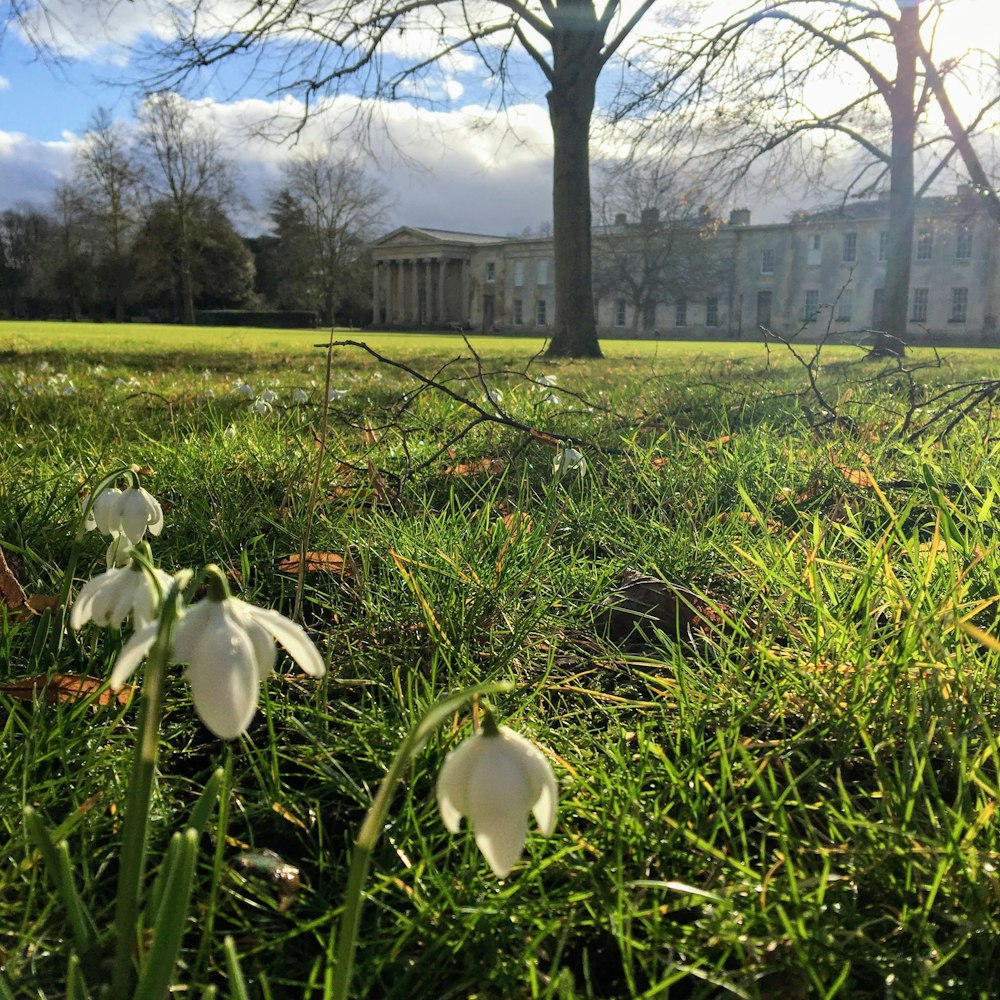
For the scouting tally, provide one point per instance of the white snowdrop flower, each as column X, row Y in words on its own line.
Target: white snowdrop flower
column 69, row 389
column 336, row 394
column 551, row 398
column 229, row 433
column 269, row 396
column 300, row 396
column 98, row 370
column 104, row 512
column 110, row 597
column 205, row 375
column 244, row 390
column 495, row 778
column 205, row 397
column 44, row 366
column 139, row 512
column 228, row 646
column 260, row 406
column 568, row 459
column 547, row 381
column 494, row 396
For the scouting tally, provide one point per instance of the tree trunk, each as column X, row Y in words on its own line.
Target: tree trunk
column 901, row 184
column 576, row 65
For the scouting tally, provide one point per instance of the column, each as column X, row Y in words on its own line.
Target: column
column 390, row 316
column 429, row 318
column 400, row 292
column 442, row 271
column 415, row 291
column 376, row 298
column 466, row 310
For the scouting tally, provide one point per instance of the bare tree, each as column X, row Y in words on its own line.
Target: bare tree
column 187, row 171
column 654, row 243
column 108, row 175
column 341, row 208
column 823, row 74
column 324, row 43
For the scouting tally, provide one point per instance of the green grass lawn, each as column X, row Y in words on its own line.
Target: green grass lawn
column 781, row 785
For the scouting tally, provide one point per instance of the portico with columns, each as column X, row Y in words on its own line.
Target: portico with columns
column 423, row 278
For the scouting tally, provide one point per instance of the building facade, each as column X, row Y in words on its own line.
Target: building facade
column 817, row 274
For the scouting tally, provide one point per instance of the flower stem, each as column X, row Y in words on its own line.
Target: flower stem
column 140, row 787
column 338, row 978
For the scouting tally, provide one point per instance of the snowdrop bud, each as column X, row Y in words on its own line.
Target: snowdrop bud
column 495, row 778
column 229, row 433
column 260, row 406
column 119, row 551
column 548, row 381
column 244, row 390
column 269, row 396
column 300, row 396
column 336, row 394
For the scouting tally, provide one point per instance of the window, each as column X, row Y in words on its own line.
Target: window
column 918, row 309
column 540, row 312
column 543, row 272
column 767, row 258
column 963, row 243
column 850, row 254
column 815, row 255
column 681, row 312
column 518, row 273
column 845, row 305
column 491, row 271
column 959, row 305
column 811, row 306
column 711, row 311
column 648, row 314
column 619, row 312
column 925, row 244
column 883, row 245
column 517, row 307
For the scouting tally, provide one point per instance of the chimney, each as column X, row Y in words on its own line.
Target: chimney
column 739, row 217
column 621, row 219
column 649, row 217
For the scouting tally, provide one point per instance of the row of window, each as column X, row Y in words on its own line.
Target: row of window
column 843, row 308
column 924, row 250
column 517, row 310
column 680, row 313
column 919, row 299
column 541, row 272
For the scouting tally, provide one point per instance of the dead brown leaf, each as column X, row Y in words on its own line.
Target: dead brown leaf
column 478, row 467
column 61, row 688
column 11, row 593
column 317, row 562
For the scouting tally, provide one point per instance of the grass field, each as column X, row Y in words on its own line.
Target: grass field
column 781, row 783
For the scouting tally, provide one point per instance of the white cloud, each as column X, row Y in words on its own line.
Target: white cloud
column 32, row 169
column 4, row 83
column 463, row 169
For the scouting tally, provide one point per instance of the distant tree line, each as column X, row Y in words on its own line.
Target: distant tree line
column 145, row 229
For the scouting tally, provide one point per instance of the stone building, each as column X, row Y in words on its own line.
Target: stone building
column 703, row 277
